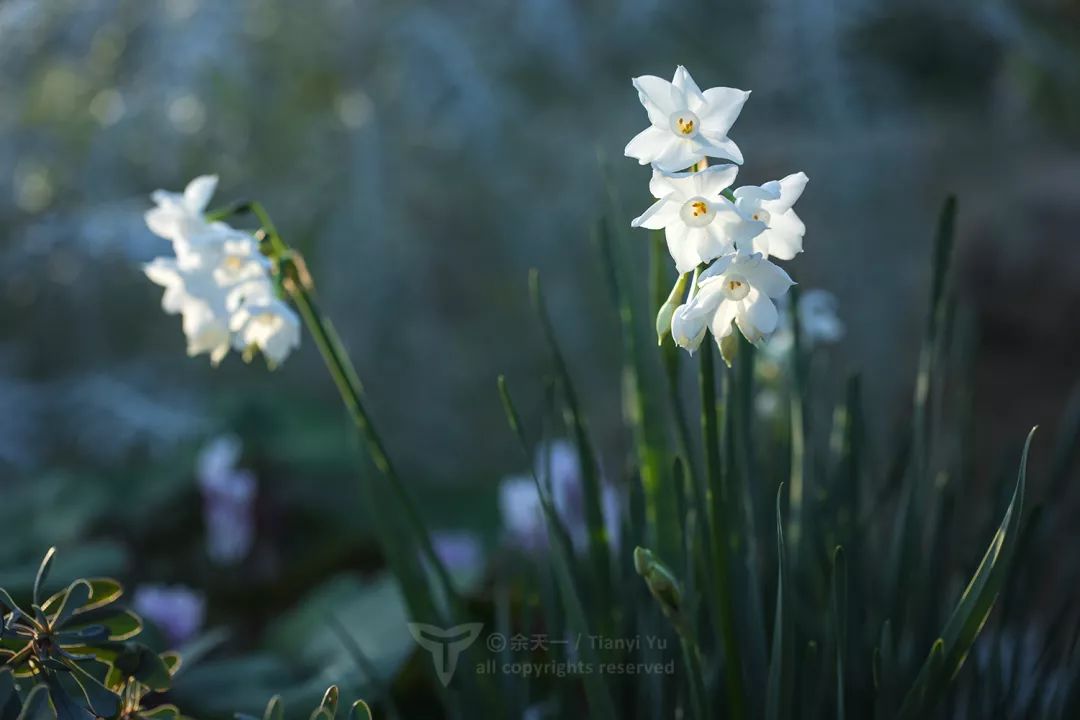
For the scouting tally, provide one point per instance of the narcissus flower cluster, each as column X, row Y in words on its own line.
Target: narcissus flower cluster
column 726, row 237
column 217, row 280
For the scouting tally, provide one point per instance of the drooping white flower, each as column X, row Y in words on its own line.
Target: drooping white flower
column 268, row 324
column 767, row 224
column 687, row 124
column 737, row 289
column 699, row 223
column 219, row 281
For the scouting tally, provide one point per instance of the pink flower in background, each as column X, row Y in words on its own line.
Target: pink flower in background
column 176, row 610
column 522, row 512
column 228, row 501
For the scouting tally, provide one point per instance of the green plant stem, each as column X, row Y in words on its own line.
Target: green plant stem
column 725, row 613
column 343, row 373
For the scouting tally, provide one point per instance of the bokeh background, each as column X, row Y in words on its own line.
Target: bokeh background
column 424, row 156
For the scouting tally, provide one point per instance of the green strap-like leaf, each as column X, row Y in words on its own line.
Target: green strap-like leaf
column 777, row 695
column 967, row 619
column 839, row 613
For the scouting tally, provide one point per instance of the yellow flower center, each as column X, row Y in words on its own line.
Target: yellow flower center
column 684, row 123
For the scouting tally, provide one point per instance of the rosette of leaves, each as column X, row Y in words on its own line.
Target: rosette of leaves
column 67, row 645
column 326, row 710
column 134, row 673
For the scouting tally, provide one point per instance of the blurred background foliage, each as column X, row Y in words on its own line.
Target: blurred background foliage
column 423, row 156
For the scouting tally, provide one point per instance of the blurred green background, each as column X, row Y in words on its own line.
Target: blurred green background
column 423, row 156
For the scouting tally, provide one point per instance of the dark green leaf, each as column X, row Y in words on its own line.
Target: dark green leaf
column 275, row 710
column 103, row 591
column 330, row 700
column 43, row 574
column 37, row 705
column 76, row 596
column 360, row 711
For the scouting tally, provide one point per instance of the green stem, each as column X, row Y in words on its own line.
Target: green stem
column 725, row 619
column 348, row 384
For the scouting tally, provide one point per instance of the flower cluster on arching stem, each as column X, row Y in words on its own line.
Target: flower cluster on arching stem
column 218, row 280
column 726, row 237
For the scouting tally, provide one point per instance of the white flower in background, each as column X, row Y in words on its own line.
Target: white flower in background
column 735, row 289
column 219, row 281
column 176, row 610
column 228, row 501
column 522, row 511
column 699, row 223
column 818, row 319
column 687, row 124
column 816, row 313
column 767, row 223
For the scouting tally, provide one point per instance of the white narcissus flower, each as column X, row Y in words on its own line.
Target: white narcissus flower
column 219, row 281
column 687, row 124
column 768, row 224
column 735, row 289
column 699, row 223
column 268, row 324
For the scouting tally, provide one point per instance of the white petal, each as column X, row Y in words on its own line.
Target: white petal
column 678, row 154
column 656, row 92
column 714, row 242
column 648, row 144
column 722, row 108
column 681, row 247
column 717, row 178
column 770, row 279
column 690, row 89
column 768, row 191
column 662, row 184
column 791, row 189
column 716, row 270
column 198, row 192
column 687, row 328
column 783, row 239
column 720, row 324
column 760, row 311
column 722, row 147
column 740, row 232
column 659, row 215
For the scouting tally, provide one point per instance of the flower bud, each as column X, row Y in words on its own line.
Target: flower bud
column 667, row 310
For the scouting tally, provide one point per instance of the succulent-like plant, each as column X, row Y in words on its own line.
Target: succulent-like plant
column 75, row 645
